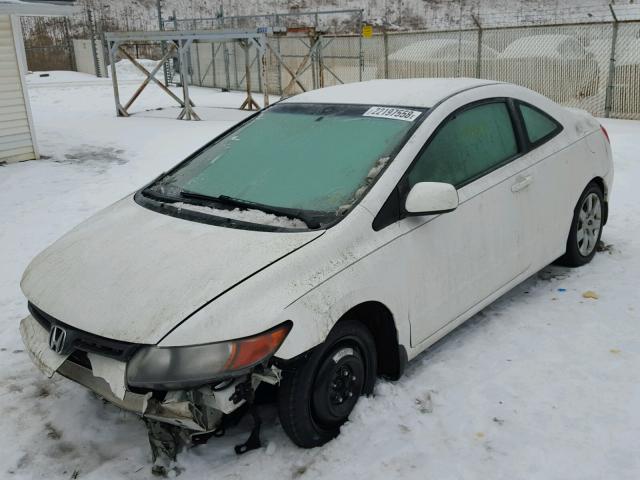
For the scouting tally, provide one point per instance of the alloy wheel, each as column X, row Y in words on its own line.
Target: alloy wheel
column 589, row 224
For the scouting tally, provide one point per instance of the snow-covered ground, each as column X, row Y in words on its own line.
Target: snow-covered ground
column 542, row 384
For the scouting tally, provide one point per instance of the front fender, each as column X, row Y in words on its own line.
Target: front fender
column 313, row 287
column 377, row 277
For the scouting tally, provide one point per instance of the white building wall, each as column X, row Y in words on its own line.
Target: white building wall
column 84, row 57
column 16, row 138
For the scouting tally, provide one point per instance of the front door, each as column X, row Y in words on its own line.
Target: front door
column 456, row 260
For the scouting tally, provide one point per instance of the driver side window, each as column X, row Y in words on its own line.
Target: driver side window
column 468, row 145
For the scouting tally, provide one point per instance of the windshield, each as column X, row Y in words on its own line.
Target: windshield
column 314, row 158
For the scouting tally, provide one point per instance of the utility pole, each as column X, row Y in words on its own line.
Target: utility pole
column 459, row 37
column 479, row 52
column 612, row 63
column 163, row 44
column 94, row 42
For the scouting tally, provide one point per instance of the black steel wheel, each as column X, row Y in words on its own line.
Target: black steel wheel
column 318, row 392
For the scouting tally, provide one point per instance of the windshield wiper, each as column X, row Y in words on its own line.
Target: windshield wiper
column 236, row 202
column 161, row 197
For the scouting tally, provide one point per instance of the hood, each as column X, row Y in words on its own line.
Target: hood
column 132, row 274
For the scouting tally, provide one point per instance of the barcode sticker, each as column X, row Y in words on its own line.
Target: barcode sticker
column 392, row 113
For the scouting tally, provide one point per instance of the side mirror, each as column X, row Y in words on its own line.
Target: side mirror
column 429, row 198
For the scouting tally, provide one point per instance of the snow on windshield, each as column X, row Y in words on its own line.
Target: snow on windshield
column 246, row 215
column 371, row 176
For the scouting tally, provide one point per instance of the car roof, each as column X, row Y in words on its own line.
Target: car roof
column 412, row 92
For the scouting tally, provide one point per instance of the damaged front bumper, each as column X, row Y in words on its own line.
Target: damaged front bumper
column 173, row 411
column 197, row 410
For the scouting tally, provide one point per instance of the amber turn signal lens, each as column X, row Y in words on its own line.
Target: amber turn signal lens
column 250, row 351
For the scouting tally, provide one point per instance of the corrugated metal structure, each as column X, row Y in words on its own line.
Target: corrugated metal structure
column 17, row 135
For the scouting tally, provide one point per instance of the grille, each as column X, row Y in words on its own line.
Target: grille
column 85, row 341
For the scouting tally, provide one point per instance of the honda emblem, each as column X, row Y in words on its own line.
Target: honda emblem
column 57, row 339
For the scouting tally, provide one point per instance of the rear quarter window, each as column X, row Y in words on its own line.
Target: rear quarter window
column 538, row 125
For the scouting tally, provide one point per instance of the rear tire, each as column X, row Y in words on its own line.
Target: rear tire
column 586, row 228
column 318, row 392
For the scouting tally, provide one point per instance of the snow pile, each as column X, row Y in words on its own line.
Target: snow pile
column 542, row 384
column 125, row 70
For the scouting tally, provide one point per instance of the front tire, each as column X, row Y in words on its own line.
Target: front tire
column 586, row 227
column 318, row 392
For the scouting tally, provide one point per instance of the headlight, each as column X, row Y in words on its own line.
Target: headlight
column 181, row 367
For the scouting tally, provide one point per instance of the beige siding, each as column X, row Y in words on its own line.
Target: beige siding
column 16, row 143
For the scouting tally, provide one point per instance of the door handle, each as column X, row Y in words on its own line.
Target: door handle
column 522, row 183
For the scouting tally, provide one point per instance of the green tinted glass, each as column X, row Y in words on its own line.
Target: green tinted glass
column 537, row 124
column 311, row 157
column 472, row 142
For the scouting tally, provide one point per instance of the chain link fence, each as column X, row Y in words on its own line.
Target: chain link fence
column 571, row 64
column 625, row 82
column 593, row 66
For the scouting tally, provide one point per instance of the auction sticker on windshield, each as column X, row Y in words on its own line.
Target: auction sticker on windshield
column 393, row 113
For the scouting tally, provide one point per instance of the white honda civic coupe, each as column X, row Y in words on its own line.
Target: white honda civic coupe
column 320, row 243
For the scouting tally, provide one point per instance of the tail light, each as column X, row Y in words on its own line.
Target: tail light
column 606, row 134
